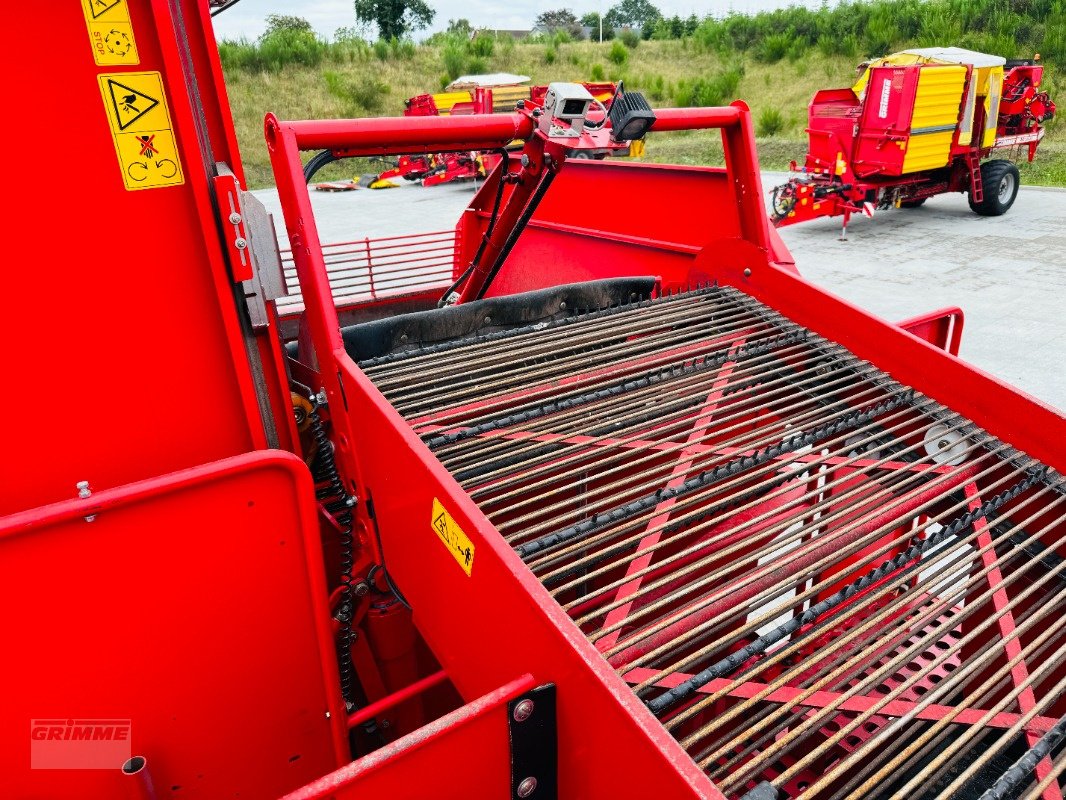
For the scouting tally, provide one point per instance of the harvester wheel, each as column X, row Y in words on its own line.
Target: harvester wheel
column 1000, row 181
column 913, row 203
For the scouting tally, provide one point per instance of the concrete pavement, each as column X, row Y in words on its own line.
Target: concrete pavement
column 1008, row 273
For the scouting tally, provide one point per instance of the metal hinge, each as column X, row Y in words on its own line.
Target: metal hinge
column 252, row 244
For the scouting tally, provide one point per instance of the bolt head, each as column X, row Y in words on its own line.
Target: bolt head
column 526, row 787
column 240, row 243
column 361, row 589
column 747, row 273
column 523, row 710
column 235, row 218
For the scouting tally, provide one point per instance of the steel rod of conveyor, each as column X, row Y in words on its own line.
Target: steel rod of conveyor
column 708, row 605
column 621, row 354
column 1035, row 678
column 585, row 386
column 888, row 750
column 796, row 415
column 703, row 518
column 739, row 401
column 960, row 674
column 839, row 537
column 688, row 388
column 855, row 662
column 550, row 336
column 764, row 437
column 739, row 409
column 685, row 382
column 536, row 346
column 958, row 546
column 807, row 509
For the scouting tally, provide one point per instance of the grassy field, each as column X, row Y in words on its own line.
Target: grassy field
column 376, row 81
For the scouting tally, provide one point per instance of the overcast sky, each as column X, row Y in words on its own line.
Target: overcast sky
column 246, row 18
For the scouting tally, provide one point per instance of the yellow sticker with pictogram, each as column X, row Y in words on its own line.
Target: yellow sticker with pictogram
column 452, row 536
column 136, row 107
column 110, row 32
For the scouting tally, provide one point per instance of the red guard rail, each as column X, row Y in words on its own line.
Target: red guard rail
column 364, row 270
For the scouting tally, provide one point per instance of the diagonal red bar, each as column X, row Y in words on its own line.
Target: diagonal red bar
column 856, row 703
column 680, row 471
column 1012, row 647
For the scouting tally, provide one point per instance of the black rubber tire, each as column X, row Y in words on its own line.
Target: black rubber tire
column 913, row 203
column 1000, row 180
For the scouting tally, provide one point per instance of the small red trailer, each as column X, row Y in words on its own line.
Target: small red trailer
column 917, row 124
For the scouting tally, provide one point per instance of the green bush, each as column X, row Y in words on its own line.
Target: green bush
column 453, row 53
column 482, row 46
column 402, row 49
column 358, row 94
column 562, row 36
column 381, row 49
column 618, row 54
column 476, row 66
column 771, row 122
column 630, row 38
column 550, row 55
column 774, row 47
column 596, row 73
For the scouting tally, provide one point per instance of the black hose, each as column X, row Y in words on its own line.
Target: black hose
column 316, row 163
column 504, row 168
column 1011, row 779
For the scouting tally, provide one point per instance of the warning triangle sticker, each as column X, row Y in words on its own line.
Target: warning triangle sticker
column 129, row 104
column 98, row 7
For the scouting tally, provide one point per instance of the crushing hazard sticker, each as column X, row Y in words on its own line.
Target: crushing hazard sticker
column 140, row 125
column 449, row 532
column 110, row 32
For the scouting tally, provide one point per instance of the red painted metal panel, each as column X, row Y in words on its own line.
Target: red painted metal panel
column 465, row 754
column 500, row 620
column 135, row 365
column 193, row 605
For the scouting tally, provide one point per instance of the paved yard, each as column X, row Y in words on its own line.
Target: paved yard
column 1008, row 274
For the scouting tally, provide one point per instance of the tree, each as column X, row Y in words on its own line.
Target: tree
column 284, row 23
column 460, row 27
column 562, row 19
column 394, row 19
column 592, row 21
column 633, row 14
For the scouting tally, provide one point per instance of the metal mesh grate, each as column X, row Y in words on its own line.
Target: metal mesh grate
column 823, row 583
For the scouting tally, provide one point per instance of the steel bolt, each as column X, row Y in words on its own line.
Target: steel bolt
column 526, row 787
column 240, row 243
column 361, row 589
column 235, row 218
column 83, row 489
column 747, row 273
column 523, row 710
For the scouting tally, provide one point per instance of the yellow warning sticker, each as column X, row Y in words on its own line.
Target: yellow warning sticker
column 136, row 108
column 110, row 32
column 449, row 532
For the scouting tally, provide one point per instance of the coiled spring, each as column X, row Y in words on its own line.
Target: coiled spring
column 336, row 500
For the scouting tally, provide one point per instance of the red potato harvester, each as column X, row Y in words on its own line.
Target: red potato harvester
column 480, row 95
column 917, row 124
column 615, row 504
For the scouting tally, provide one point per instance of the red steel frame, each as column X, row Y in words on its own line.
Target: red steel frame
column 501, row 603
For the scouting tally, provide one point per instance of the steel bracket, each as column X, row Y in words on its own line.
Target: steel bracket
column 531, row 728
column 252, row 244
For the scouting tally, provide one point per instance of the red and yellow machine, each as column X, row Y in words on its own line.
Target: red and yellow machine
column 917, row 124
column 476, row 98
column 618, row 505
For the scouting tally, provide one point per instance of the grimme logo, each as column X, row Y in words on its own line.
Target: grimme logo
column 79, row 743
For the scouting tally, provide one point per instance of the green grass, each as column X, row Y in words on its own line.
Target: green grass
column 375, row 81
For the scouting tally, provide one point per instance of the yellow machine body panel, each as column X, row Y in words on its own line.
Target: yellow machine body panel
column 935, row 117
